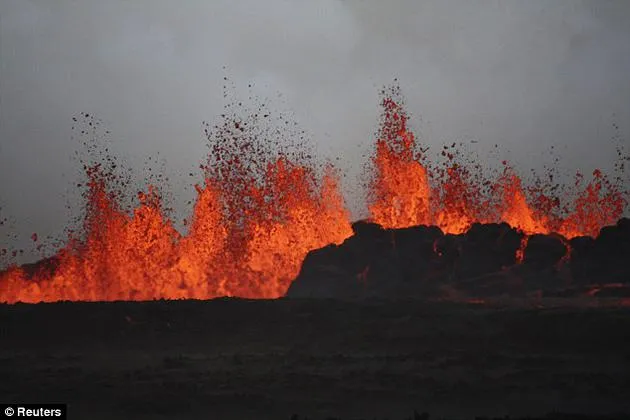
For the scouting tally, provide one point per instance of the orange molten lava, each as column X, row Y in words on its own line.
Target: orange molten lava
column 249, row 232
column 403, row 194
column 142, row 257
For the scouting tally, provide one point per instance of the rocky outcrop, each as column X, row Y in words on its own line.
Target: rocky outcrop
column 422, row 261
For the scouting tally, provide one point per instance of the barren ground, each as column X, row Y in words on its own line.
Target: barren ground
column 238, row 359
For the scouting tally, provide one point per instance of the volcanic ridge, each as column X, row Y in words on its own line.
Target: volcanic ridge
column 268, row 221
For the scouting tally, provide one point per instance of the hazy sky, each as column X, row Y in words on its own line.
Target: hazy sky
column 523, row 74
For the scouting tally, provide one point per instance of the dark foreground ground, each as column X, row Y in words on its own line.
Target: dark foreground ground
column 237, row 359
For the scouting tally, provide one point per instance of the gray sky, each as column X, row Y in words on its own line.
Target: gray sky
column 523, row 74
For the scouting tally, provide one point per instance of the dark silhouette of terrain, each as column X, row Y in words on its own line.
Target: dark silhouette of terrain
column 388, row 321
column 481, row 263
column 235, row 359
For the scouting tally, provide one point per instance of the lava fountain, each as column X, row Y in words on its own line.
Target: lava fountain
column 406, row 192
column 253, row 222
column 256, row 216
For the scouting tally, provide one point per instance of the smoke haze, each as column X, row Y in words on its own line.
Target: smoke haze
column 524, row 75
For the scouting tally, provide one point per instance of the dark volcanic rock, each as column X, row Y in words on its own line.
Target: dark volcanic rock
column 323, row 275
column 415, row 252
column 544, row 251
column 582, row 267
column 487, row 249
column 423, row 261
column 605, row 259
column 611, row 256
column 373, row 262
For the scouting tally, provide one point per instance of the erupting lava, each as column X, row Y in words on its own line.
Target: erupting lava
column 254, row 221
column 403, row 193
column 252, row 224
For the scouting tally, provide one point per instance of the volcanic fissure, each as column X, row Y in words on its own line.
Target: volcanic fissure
column 258, row 215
